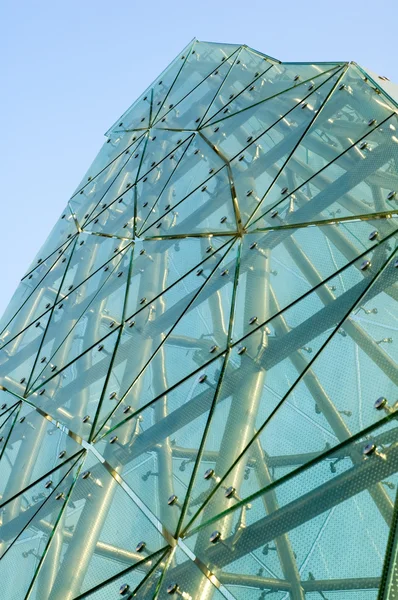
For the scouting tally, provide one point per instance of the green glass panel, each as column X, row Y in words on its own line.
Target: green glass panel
column 207, row 343
column 7, row 401
column 39, row 300
column 112, row 150
column 148, row 440
column 268, row 363
column 269, row 128
column 72, row 394
column 139, row 118
column 185, row 575
column 119, row 217
column 161, row 145
column 203, row 59
column 198, row 165
column 246, row 72
column 17, row 360
column 91, row 253
column 40, row 524
column 174, row 335
column 158, row 264
column 150, row 585
column 33, row 448
column 361, row 181
column 7, row 422
column 109, row 184
column 189, row 112
column 32, row 285
column 121, row 188
column 353, row 111
column 84, row 316
column 20, row 511
column 280, row 78
column 63, row 231
column 138, row 579
column 305, row 257
column 122, row 525
column 156, row 91
column 208, row 209
column 302, row 530
column 149, row 190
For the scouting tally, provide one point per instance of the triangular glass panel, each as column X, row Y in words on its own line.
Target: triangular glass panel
column 39, row 299
column 63, row 231
column 156, row 453
column 189, row 112
column 251, row 128
column 158, row 264
column 353, row 111
column 139, row 118
column 8, row 418
column 203, row 59
column 262, row 135
column 208, row 209
column 156, row 92
column 362, row 181
column 197, row 166
column 109, row 184
column 192, row 325
column 34, row 447
column 20, row 511
column 71, row 396
column 247, row 70
column 121, row 527
column 150, row 189
column 381, row 83
column 314, row 514
column 119, row 217
column 305, row 257
column 185, row 577
column 276, row 81
column 7, row 401
column 92, row 253
column 87, row 314
column 266, row 365
column 30, row 284
column 160, row 147
column 113, row 149
column 31, row 531
column 317, row 414
column 137, row 579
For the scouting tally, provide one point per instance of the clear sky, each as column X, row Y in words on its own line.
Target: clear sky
column 70, row 69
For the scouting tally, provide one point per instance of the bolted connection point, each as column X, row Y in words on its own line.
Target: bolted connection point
column 381, row 403
column 172, row 588
column 140, row 547
column 365, row 265
column 124, row 589
column 209, row 474
column 172, row 500
column 371, row 449
column 215, row 537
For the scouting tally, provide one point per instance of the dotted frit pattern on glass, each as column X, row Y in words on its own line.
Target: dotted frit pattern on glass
column 198, row 370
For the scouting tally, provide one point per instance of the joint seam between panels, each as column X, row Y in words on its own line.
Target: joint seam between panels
column 292, row 387
column 341, row 71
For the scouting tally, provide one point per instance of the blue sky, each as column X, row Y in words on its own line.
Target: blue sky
column 69, row 69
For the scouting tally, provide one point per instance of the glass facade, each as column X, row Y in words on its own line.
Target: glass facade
column 199, row 369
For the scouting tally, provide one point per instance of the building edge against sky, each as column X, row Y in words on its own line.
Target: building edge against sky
column 198, row 369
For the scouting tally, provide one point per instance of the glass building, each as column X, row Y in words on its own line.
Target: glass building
column 199, row 369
